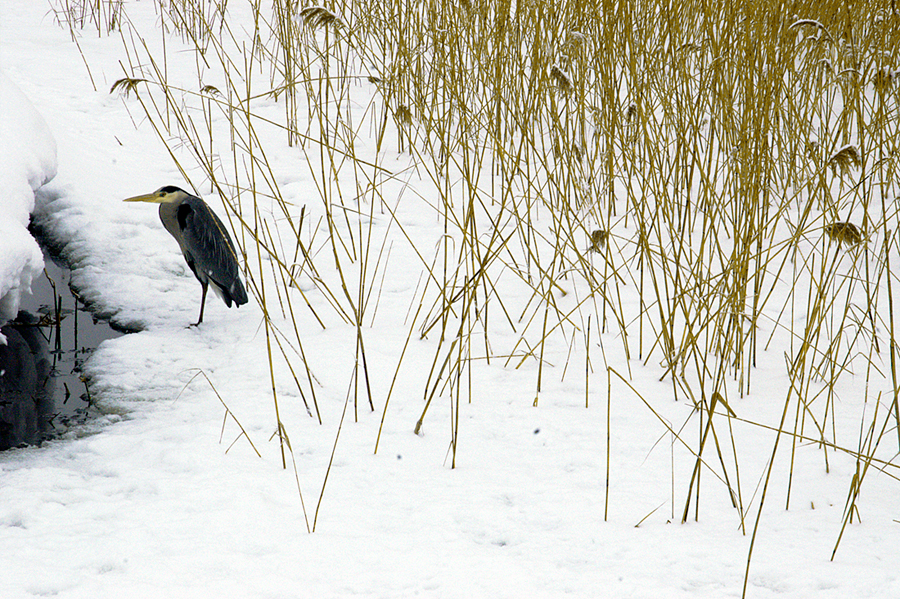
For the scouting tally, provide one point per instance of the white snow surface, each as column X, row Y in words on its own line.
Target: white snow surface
column 27, row 161
column 146, row 502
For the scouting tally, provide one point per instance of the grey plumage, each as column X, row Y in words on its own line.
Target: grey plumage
column 204, row 242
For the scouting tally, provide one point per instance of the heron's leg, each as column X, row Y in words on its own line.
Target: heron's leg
column 202, row 304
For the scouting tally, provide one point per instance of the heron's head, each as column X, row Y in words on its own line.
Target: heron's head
column 163, row 195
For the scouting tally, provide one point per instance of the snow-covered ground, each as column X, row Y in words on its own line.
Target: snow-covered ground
column 146, row 502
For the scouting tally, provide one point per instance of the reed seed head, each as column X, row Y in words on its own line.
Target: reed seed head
column 845, row 233
column 561, row 79
column 316, row 17
column 403, row 115
column 598, row 240
column 126, row 85
column 845, row 159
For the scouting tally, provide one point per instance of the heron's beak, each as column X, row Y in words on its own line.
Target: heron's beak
column 154, row 198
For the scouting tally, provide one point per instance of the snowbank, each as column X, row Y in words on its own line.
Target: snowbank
column 27, row 161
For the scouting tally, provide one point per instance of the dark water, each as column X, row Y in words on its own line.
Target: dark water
column 42, row 392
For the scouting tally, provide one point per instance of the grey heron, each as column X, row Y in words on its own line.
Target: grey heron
column 204, row 241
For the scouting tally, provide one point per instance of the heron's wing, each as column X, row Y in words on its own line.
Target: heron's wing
column 206, row 241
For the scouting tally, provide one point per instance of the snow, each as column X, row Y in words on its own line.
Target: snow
column 152, row 499
column 27, row 161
